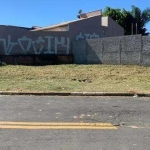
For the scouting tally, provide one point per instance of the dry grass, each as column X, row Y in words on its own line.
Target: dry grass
column 70, row 78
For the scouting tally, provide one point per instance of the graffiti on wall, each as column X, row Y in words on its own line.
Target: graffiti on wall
column 26, row 44
column 86, row 36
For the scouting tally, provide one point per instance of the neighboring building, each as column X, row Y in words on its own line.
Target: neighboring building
column 56, row 39
column 89, row 25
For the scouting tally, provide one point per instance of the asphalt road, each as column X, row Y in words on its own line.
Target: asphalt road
column 130, row 116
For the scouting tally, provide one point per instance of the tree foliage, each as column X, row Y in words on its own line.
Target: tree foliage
column 127, row 19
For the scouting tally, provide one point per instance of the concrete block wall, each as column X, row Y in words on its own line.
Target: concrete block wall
column 79, row 52
column 126, row 50
column 111, row 50
column 95, row 56
column 146, row 50
column 131, row 50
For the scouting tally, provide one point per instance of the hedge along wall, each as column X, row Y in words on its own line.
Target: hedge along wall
column 128, row 50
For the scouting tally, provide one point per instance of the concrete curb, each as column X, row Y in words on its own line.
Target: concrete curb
column 74, row 93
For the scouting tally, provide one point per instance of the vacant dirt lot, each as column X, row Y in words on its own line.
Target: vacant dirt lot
column 71, row 78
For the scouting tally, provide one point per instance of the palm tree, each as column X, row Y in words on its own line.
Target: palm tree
column 141, row 18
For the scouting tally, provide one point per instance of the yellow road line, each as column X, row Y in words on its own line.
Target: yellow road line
column 54, row 125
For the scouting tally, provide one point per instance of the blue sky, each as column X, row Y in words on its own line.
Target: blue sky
column 29, row 13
